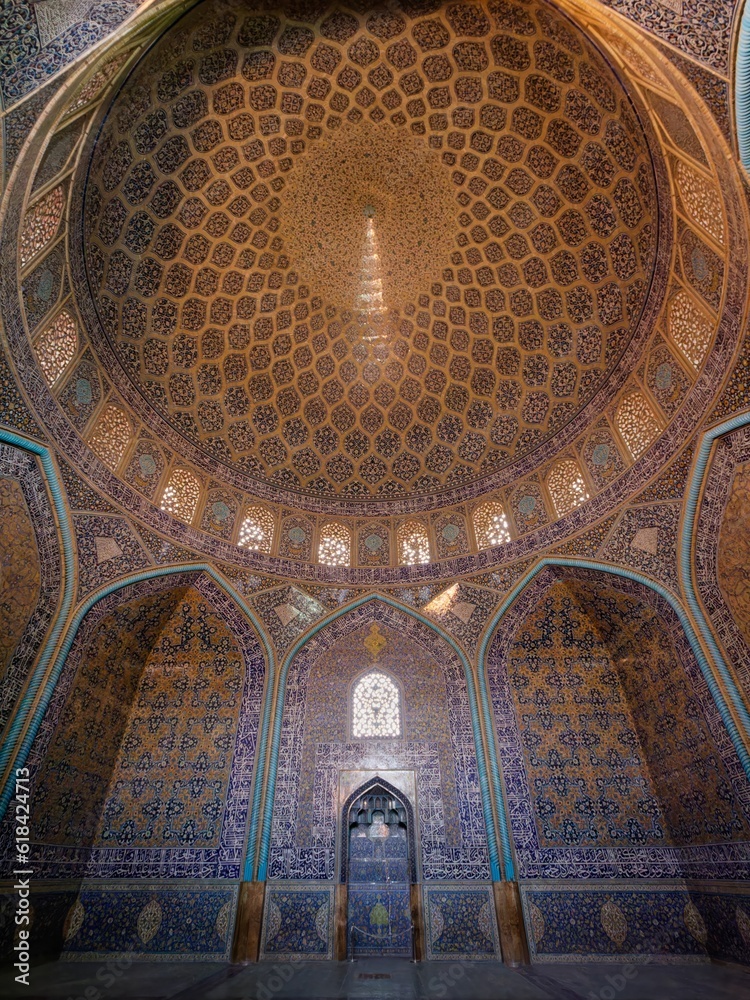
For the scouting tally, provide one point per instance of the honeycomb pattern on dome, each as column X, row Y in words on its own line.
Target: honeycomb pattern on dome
column 387, row 192
column 516, row 298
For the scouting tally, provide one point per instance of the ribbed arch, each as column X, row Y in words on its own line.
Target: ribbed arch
column 263, row 836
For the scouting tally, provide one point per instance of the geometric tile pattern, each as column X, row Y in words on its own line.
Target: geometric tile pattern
column 181, row 812
column 107, row 549
column 261, row 349
column 575, row 751
column 437, row 745
column 460, row 923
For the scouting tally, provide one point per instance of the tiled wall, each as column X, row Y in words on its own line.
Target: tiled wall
column 630, row 922
column 153, row 920
column 436, row 747
column 621, row 783
column 142, row 770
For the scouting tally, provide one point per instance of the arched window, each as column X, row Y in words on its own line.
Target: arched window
column 57, row 346
column 689, row 328
column 491, row 525
column 566, row 486
column 636, row 423
column 413, row 543
column 376, row 706
column 111, row 435
column 181, row 494
column 41, row 222
column 256, row 530
column 701, row 199
column 335, row 545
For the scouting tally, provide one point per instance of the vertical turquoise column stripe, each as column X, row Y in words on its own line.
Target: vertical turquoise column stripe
column 742, row 87
column 703, row 663
column 21, row 715
column 260, row 769
column 265, row 837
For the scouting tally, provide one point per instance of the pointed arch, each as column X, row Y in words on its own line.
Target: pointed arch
column 706, row 668
column 377, row 782
column 495, row 822
column 250, row 699
column 535, row 854
column 65, row 634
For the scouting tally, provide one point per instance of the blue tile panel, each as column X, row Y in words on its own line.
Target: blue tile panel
column 379, row 920
column 155, row 920
column 460, row 923
column 579, row 921
column 297, row 921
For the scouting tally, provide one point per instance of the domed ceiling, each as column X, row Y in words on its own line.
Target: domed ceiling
column 363, row 256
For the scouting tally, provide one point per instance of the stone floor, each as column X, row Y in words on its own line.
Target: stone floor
column 380, row 979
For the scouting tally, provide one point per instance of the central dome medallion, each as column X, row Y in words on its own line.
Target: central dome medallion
column 370, row 215
column 335, row 254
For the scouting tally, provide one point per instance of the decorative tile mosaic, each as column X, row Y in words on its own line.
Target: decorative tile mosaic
column 721, row 920
column 14, row 412
column 59, row 152
column 438, row 746
column 460, row 923
column 734, row 553
column 41, row 289
column 146, row 465
column 736, row 395
column 298, row 922
column 166, row 792
column 646, row 539
column 18, row 123
column 165, row 552
column 701, row 30
column 719, row 544
column 590, row 542
column 556, row 746
column 379, row 921
column 474, row 415
column 36, row 45
column 20, row 572
column 616, row 921
column 330, row 400
column 107, row 549
column 450, row 534
column 502, row 579
column 248, row 583
column 79, row 494
column 463, row 612
column 155, row 920
column 672, row 483
column 374, row 544
column 31, row 570
column 286, row 614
